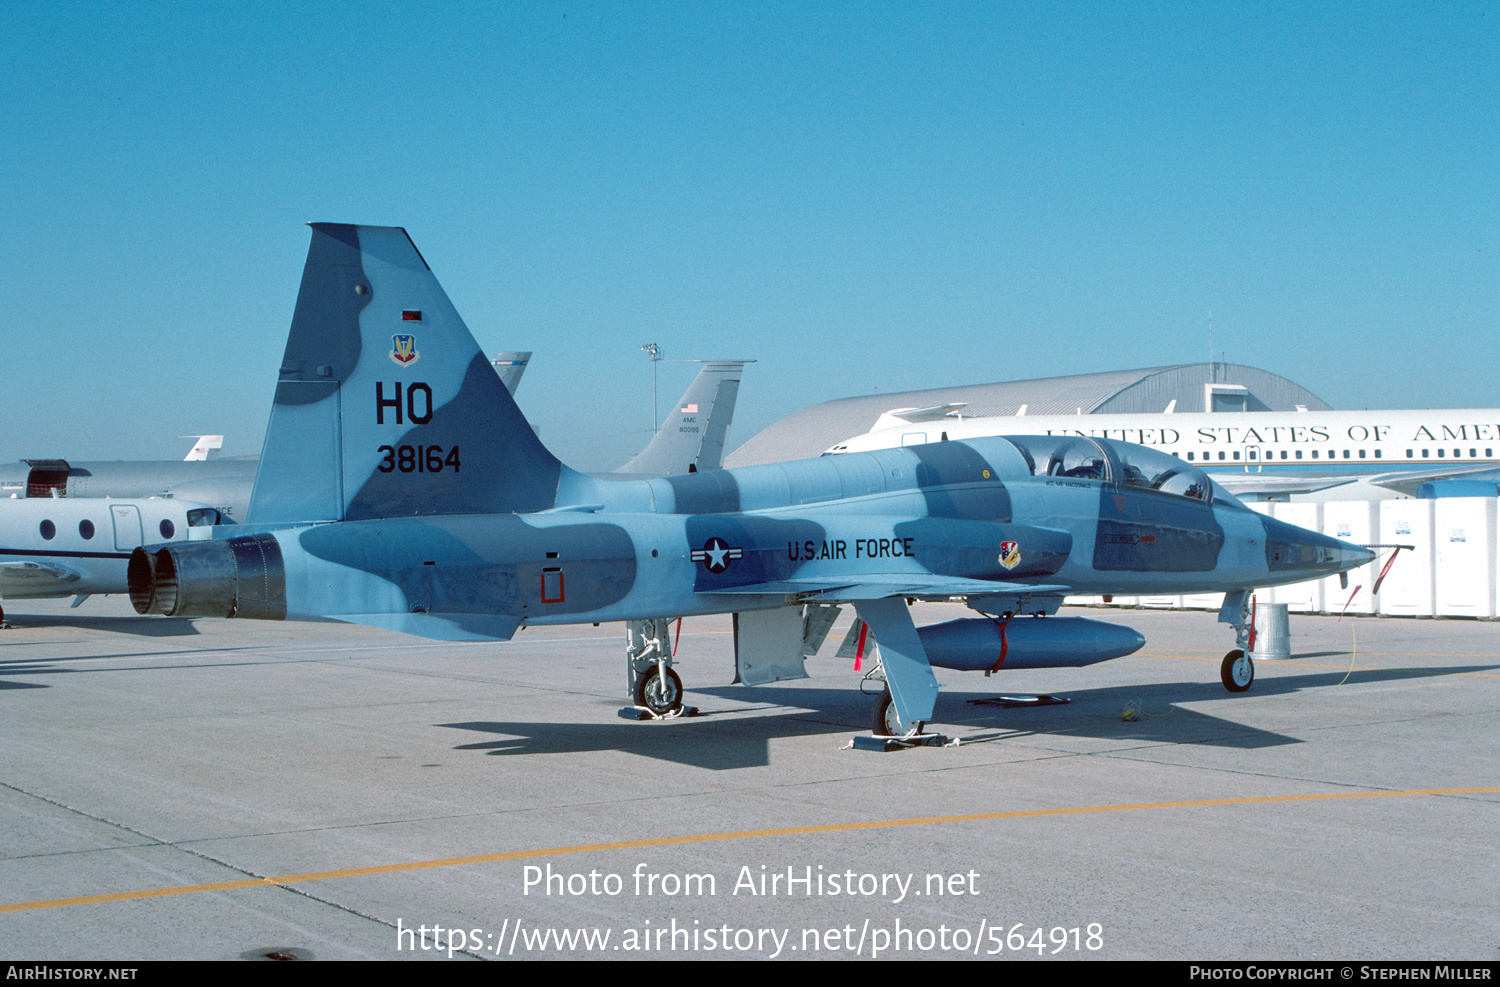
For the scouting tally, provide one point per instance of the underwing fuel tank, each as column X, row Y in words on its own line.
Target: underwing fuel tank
column 236, row 577
column 978, row 644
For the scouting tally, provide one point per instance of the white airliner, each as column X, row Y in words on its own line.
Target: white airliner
column 1397, row 450
column 65, row 546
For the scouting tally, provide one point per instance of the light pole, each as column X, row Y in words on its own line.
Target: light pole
column 655, row 353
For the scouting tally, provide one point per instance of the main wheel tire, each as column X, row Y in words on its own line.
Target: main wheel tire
column 659, row 696
column 887, row 723
column 1237, row 671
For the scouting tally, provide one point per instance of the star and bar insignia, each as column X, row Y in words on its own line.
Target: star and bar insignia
column 716, row 555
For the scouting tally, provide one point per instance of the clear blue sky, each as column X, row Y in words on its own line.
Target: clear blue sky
column 864, row 197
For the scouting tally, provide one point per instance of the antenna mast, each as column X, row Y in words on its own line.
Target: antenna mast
column 1213, row 368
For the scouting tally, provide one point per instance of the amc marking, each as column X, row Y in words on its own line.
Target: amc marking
column 417, row 459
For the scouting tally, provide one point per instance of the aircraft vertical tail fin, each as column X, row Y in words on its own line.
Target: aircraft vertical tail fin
column 207, row 447
column 510, row 366
column 692, row 437
column 385, row 405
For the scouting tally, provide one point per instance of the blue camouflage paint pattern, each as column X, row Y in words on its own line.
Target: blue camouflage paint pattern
column 418, row 498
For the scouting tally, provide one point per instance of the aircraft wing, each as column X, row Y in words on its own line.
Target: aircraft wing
column 1401, row 481
column 1408, row 482
column 31, row 577
column 1243, row 484
column 880, row 586
column 440, row 626
column 911, row 416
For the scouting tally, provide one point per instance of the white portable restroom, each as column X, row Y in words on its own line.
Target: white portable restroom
column 1408, row 587
column 1202, row 601
column 1464, row 551
column 1356, row 521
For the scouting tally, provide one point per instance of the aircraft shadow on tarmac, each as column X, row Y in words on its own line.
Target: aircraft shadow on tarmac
column 154, row 662
column 14, row 637
column 717, row 740
column 1155, row 714
column 139, row 626
column 741, row 738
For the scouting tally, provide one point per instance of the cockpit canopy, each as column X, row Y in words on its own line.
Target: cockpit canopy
column 1084, row 458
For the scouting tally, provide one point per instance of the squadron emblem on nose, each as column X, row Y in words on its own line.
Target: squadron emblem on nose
column 716, row 555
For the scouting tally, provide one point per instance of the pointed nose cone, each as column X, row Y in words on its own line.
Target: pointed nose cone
column 1354, row 556
column 1294, row 551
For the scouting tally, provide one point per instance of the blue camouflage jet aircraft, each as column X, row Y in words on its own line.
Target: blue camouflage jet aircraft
column 401, row 487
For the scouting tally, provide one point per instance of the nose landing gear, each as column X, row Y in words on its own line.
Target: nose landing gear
column 1237, row 671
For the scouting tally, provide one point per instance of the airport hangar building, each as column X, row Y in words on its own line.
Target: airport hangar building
column 1451, row 570
column 1188, row 387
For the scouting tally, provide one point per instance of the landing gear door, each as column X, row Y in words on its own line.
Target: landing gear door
column 127, row 519
column 768, row 646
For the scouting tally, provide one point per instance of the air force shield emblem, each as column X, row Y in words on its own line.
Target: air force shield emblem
column 404, row 349
column 1010, row 554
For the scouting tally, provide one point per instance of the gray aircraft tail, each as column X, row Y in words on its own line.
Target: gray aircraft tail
column 510, row 367
column 692, row 437
column 385, row 406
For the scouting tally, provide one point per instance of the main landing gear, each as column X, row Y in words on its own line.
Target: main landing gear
column 884, row 722
column 888, row 733
column 650, row 682
column 659, row 691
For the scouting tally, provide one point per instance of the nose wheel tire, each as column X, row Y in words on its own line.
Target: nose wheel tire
column 886, row 722
column 660, row 696
column 1237, row 671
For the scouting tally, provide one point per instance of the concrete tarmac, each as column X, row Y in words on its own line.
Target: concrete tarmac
column 225, row 789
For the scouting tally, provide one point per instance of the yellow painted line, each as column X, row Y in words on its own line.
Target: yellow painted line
column 749, row 834
column 1210, row 655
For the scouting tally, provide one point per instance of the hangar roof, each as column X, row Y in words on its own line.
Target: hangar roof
column 808, row 432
